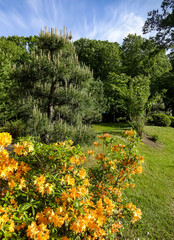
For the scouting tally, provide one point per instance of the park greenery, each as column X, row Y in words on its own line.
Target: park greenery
column 53, row 88
column 56, row 94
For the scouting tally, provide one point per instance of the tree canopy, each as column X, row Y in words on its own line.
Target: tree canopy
column 162, row 23
column 139, row 57
column 101, row 56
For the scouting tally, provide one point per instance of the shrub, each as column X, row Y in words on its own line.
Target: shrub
column 161, row 119
column 48, row 132
column 150, row 120
column 154, row 138
column 15, row 128
column 47, row 194
column 172, row 121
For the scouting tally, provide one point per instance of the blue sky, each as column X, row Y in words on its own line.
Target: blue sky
column 110, row 20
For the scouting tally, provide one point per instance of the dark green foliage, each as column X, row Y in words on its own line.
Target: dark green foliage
column 15, row 128
column 57, row 94
column 131, row 95
column 140, row 57
column 29, row 43
column 172, row 121
column 162, row 23
column 46, row 131
column 149, row 120
column 136, row 102
column 161, row 119
column 115, row 89
column 102, row 57
column 10, row 54
column 165, row 83
column 154, row 138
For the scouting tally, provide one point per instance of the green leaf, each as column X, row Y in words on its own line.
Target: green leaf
column 25, row 207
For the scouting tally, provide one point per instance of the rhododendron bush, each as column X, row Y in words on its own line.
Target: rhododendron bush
column 46, row 193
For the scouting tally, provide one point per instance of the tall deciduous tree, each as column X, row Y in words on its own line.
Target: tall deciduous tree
column 140, row 57
column 62, row 93
column 162, row 23
column 10, row 54
column 130, row 94
column 101, row 56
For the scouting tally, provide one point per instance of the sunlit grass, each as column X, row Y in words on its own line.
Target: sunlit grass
column 154, row 190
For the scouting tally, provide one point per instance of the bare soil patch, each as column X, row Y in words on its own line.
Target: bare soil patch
column 146, row 139
column 9, row 148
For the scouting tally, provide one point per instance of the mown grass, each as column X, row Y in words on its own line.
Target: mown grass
column 154, row 190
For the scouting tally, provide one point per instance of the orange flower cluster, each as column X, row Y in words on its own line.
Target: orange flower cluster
column 104, row 136
column 136, row 212
column 41, row 186
column 38, row 232
column 5, row 139
column 24, row 148
column 7, row 166
column 130, row 133
column 6, row 223
column 62, row 200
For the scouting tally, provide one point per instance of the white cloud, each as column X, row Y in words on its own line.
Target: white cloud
column 18, row 21
column 116, row 28
column 4, row 20
column 35, row 6
column 105, row 21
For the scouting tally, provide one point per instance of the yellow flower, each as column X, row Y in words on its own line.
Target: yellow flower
column 82, row 173
column 136, row 215
column 11, row 184
column 69, row 180
column 5, row 139
column 22, row 184
column 82, row 190
column 18, row 149
column 11, row 227
column 49, row 188
column 74, row 160
column 139, row 169
column 23, row 149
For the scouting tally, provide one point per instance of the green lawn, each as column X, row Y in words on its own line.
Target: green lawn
column 154, row 191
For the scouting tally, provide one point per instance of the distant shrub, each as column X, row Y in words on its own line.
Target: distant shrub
column 150, row 120
column 172, row 121
column 154, row 138
column 161, row 119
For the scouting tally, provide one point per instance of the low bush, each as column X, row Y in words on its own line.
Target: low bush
column 47, row 194
column 47, row 132
column 150, row 120
column 15, row 128
column 154, row 138
column 161, row 119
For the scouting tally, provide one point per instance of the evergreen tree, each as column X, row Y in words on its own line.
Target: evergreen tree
column 60, row 94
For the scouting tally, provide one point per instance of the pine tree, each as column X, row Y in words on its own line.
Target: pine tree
column 60, row 93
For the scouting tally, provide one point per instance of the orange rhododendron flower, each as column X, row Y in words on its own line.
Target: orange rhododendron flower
column 106, row 135
column 5, row 139
column 139, row 169
column 82, row 173
column 136, row 215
